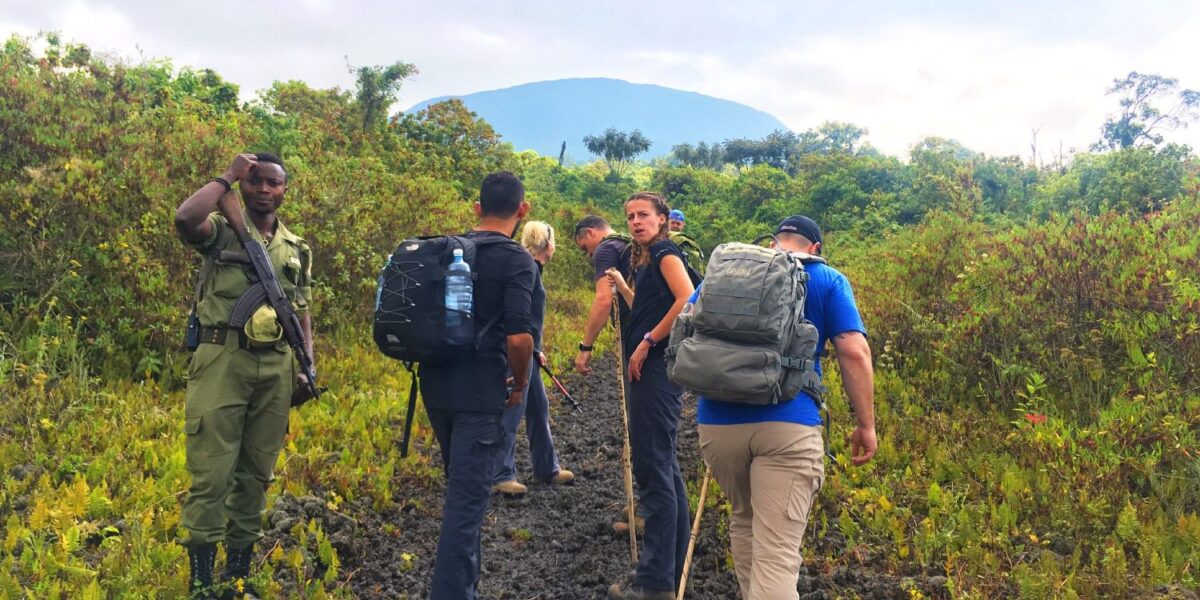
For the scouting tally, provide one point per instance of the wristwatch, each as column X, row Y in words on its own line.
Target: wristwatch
column 649, row 338
column 584, row 347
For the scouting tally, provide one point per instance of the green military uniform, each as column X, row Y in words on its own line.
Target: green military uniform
column 238, row 392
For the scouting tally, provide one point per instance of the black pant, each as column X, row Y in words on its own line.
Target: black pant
column 470, row 444
column 654, row 407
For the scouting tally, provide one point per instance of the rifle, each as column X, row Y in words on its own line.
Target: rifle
column 269, row 290
column 566, row 395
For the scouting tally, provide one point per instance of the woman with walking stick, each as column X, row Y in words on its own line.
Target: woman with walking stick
column 538, row 239
column 663, row 287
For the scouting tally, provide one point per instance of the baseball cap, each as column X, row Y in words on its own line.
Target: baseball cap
column 675, row 215
column 801, row 225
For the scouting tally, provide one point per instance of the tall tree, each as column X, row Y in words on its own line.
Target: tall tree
column 617, row 148
column 377, row 90
column 700, row 156
column 1140, row 122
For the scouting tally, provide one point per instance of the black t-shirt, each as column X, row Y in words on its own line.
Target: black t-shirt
column 652, row 299
column 505, row 276
column 612, row 253
column 538, row 312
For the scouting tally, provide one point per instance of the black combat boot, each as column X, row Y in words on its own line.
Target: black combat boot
column 235, row 578
column 202, row 558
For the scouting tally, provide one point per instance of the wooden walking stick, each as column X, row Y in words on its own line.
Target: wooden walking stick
column 626, row 456
column 687, row 560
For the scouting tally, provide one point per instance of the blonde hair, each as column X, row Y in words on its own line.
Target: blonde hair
column 537, row 236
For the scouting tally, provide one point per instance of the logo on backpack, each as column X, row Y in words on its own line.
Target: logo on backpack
column 746, row 339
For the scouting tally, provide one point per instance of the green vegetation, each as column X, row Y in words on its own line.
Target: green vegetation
column 617, row 148
column 1035, row 328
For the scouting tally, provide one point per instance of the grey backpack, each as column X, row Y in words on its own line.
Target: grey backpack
column 746, row 339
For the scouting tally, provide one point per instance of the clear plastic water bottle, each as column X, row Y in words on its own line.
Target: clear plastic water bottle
column 460, row 327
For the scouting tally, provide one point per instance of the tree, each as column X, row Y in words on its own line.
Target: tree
column 377, row 89
column 1140, row 121
column 840, row 137
column 700, row 156
column 617, row 148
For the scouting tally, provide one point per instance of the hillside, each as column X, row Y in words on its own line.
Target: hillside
column 541, row 116
column 1034, row 332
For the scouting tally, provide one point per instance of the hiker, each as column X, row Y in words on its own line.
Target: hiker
column 240, row 380
column 466, row 399
column 607, row 250
column 675, row 220
column 662, row 285
column 538, row 239
column 692, row 253
column 768, row 458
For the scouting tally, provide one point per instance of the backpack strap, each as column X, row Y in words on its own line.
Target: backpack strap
column 490, row 240
column 628, row 240
column 412, row 406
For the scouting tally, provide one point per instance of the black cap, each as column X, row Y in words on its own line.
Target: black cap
column 802, row 225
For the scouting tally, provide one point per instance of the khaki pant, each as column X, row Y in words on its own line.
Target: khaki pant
column 236, row 419
column 770, row 472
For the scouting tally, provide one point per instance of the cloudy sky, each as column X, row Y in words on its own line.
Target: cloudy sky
column 984, row 73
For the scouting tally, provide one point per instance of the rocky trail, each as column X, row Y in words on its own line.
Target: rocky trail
column 557, row 542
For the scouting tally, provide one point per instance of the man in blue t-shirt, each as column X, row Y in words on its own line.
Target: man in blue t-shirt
column 769, row 459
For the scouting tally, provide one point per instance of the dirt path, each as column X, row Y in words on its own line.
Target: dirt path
column 557, row 542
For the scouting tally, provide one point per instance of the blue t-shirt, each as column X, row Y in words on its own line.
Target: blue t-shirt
column 830, row 306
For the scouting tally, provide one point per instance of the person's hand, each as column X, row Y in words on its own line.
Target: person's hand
column 541, row 358
column 581, row 362
column 639, row 357
column 615, row 278
column 242, row 164
column 862, row 445
column 515, row 394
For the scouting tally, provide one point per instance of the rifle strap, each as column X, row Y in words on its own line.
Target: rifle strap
column 202, row 276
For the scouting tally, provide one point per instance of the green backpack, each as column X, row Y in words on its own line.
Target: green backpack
column 691, row 249
column 746, row 339
column 692, row 254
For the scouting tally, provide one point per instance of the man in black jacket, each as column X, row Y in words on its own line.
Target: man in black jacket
column 465, row 400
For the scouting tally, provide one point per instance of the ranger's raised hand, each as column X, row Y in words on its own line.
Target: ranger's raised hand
column 241, row 166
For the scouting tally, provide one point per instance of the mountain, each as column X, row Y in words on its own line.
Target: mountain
column 541, row 116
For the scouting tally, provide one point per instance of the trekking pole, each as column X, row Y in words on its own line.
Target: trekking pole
column 626, row 456
column 687, row 560
column 562, row 389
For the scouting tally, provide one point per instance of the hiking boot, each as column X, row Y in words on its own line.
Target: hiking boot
column 622, row 527
column 202, row 558
column 629, row 590
column 237, row 571
column 511, row 487
column 561, row 477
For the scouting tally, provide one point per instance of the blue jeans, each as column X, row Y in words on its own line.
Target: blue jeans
column 654, row 407
column 470, row 444
column 535, row 407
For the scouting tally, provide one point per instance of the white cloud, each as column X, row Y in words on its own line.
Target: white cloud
column 983, row 74
column 988, row 88
column 100, row 25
